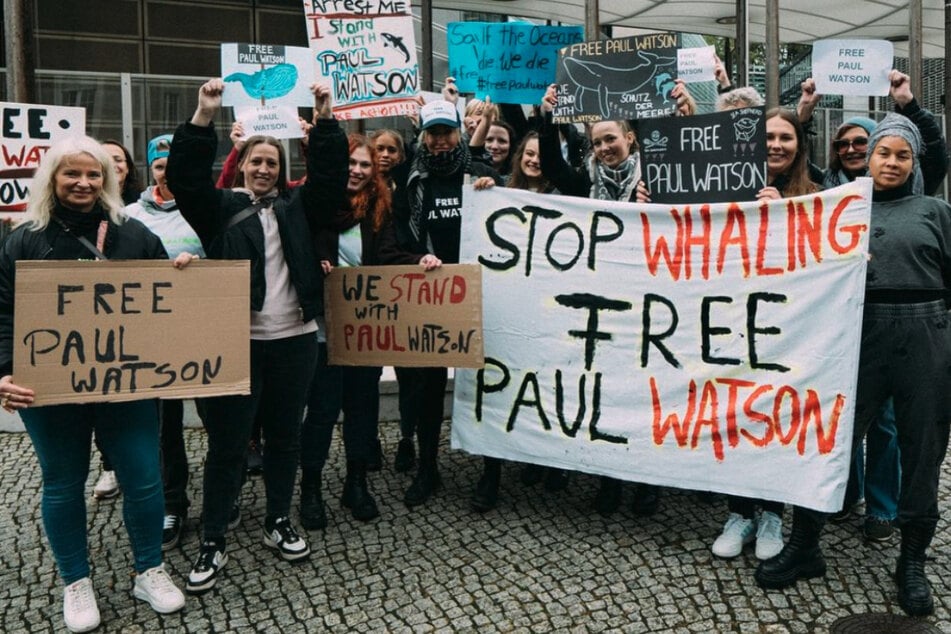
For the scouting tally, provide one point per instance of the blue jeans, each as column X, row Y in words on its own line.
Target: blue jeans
column 129, row 435
column 878, row 475
column 281, row 370
column 355, row 390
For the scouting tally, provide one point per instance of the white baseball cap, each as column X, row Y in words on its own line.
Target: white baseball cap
column 439, row 113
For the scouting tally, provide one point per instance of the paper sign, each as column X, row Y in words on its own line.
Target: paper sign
column 624, row 78
column 703, row 346
column 267, row 74
column 404, row 316
column 366, row 51
column 718, row 157
column 696, row 64
column 129, row 330
column 852, row 67
column 26, row 132
column 511, row 62
column 279, row 122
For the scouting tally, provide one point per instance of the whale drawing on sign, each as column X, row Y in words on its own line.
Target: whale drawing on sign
column 393, row 41
column 610, row 80
column 268, row 83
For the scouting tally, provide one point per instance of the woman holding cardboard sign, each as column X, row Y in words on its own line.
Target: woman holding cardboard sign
column 360, row 233
column 74, row 213
column 263, row 221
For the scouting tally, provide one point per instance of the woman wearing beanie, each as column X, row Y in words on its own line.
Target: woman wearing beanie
column 905, row 353
column 876, row 472
column 157, row 210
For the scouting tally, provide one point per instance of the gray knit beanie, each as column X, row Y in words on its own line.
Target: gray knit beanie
column 895, row 124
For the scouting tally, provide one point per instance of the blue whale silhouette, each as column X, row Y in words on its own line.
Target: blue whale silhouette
column 610, row 80
column 268, row 83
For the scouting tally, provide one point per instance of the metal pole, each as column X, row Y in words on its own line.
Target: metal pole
column 426, row 29
column 20, row 53
column 947, row 77
column 592, row 20
column 914, row 48
column 772, row 53
column 742, row 48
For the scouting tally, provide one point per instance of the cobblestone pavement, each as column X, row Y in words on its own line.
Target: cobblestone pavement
column 541, row 562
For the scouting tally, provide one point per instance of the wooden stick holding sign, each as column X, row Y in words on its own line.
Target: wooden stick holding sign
column 113, row 331
column 403, row 316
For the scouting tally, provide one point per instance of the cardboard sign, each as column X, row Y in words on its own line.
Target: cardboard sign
column 511, row 62
column 852, row 67
column 266, row 74
column 128, row 330
column 717, row 157
column 366, row 51
column 624, row 78
column 26, row 132
column 697, row 64
column 404, row 316
column 704, row 346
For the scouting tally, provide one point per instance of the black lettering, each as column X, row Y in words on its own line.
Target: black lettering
column 596, row 237
column 485, row 388
column 133, row 368
column 593, row 303
column 61, row 291
column 99, row 290
column 74, row 341
column 707, row 331
column 31, row 338
column 649, row 338
column 501, row 265
column 157, row 297
column 751, row 330
column 191, row 369
column 163, row 369
column 128, row 299
column 535, row 401
column 207, row 373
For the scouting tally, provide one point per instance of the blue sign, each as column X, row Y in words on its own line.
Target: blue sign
column 511, row 62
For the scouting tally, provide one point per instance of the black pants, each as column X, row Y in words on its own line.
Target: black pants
column 174, row 459
column 356, row 391
column 906, row 355
column 410, row 399
column 430, row 386
column 281, row 371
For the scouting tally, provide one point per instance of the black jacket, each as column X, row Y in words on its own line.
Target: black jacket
column 208, row 209
column 127, row 241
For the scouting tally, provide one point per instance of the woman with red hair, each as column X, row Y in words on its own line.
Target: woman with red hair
column 360, row 234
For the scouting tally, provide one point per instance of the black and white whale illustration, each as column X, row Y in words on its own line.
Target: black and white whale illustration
column 606, row 80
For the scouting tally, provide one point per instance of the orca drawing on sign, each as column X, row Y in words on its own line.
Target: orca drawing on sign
column 395, row 42
column 606, row 80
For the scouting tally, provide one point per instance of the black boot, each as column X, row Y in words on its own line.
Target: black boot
column 800, row 558
column 375, row 462
column 405, row 456
column 914, row 591
column 486, row 495
column 313, row 516
column 646, row 500
column 356, row 496
column 427, row 478
column 608, row 499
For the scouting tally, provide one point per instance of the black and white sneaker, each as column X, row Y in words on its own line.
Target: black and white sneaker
column 204, row 574
column 281, row 536
column 172, row 531
column 234, row 517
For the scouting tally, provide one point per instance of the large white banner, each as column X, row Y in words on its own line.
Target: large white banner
column 704, row 346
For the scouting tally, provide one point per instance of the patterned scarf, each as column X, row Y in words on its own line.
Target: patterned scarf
column 426, row 164
column 616, row 183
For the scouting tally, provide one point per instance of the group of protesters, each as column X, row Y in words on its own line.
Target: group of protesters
column 384, row 199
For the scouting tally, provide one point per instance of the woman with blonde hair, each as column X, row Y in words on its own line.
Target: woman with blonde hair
column 75, row 213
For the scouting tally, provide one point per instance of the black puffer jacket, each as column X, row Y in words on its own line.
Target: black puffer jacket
column 127, row 241
column 208, row 209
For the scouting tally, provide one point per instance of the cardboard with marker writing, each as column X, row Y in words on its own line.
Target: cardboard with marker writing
column 129, row 330
column 404, row 316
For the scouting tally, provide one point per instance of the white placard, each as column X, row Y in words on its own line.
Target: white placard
column 699, row 346
column 696, row 64
column 267, row 74
column 852, row 67
column 279, row 122
column 27, row 130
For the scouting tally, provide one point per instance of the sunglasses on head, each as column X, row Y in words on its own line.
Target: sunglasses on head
column 859, row 143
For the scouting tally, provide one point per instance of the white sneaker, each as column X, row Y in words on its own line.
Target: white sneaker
column 284, row 539
column 106, row 486
column 737, row 532
column 80, row 611
column 155, row 586
column 769, row 535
